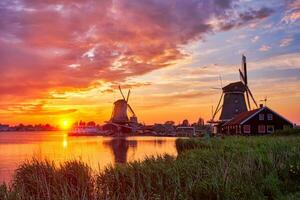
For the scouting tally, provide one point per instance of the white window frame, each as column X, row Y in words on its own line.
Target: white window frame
column 261, row 116
column 270, row 126
column 270, row 117
column 248, row 129
column 261, row 128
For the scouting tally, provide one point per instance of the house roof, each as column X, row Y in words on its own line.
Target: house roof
column 242, row 117
column 245, row 116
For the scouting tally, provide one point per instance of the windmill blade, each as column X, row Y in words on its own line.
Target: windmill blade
column 121, row 92
column 131, row 110
column 128, row 96
column 242, row 77
column 217, row 109
column 221, row 82
column 216, row 88
column 248, row 100
column 245, row 69
column 251, row 96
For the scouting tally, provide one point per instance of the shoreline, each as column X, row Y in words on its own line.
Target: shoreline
column 250, row 168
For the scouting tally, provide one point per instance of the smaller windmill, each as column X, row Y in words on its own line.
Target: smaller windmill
column 121, row 106
column 233, row 96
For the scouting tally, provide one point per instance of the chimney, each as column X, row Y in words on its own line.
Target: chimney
column 261, row 105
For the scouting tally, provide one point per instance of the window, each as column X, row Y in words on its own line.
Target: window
column 261, row 117
column 270, row 117
column 270, row 128
column 286, row 127
column 247, row 128
column 261, row 128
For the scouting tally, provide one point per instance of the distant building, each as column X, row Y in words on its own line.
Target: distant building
column 4, row 127
column 259, row 121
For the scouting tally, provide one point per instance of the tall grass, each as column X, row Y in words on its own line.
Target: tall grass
column 230, row 168
column 287, row 132
column 235, row 168
column 42, row 179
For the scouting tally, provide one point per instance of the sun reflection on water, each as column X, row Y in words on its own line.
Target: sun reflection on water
column 98, row 152
column 65, row 141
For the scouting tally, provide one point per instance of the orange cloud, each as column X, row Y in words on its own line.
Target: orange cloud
column 64, row 47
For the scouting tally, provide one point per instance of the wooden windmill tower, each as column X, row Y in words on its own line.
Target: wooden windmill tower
column 121, row 106
column 233, row 96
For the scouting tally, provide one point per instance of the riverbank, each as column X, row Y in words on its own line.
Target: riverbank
column 266, row 167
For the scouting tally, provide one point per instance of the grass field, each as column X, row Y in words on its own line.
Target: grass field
column 266, row 167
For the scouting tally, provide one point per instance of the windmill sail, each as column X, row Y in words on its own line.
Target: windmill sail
column 244, row 79
column 247, row 88
column 244, row 70
column 217, row 108
column 121, row 92
column 128, row 96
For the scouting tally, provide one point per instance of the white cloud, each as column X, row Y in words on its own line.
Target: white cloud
column 74, row 66
column 285, row 61
column 255, row 39
column 286, row 42
column 264, row 48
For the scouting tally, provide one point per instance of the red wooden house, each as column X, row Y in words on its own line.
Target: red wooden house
column 259, row 121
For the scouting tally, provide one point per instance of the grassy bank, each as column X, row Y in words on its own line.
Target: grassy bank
column 231, row 168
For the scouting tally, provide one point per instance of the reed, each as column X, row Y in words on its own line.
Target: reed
column 42, row 179
column 229, row 168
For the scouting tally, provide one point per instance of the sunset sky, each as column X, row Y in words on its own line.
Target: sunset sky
column 64, row 59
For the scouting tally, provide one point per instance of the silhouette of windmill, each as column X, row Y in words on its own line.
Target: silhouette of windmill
column 121, row 106
column 233, row 97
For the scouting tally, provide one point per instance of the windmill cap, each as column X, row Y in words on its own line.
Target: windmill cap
column 234, row 87
column 119, row 101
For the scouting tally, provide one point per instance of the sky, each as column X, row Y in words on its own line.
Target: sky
column 64, row 59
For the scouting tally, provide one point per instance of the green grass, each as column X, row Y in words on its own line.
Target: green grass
column 231, row 168
column 218, row 168
column 36, row 179
column 288, row 132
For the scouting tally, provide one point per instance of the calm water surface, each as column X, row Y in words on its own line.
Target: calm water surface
column 98, row 152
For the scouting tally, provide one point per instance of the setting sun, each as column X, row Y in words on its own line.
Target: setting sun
column 65, row 124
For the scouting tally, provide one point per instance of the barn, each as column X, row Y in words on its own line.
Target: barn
column 258, row 121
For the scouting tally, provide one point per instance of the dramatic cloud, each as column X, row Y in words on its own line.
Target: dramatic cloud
column 34, row 109
column 241, row 19
column 292, row 13
column 60, row 45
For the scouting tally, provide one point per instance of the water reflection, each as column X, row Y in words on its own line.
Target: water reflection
column 65, row 141
column 98, row 152
column 119, row 147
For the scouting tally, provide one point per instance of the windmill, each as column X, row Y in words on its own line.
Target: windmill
column 233, row 96
column 121, row 106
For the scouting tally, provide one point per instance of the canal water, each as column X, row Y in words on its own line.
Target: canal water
column 97, row 151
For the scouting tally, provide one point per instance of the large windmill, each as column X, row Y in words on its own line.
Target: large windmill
column 121, row 106
column 119, row 122
column 233, row 96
